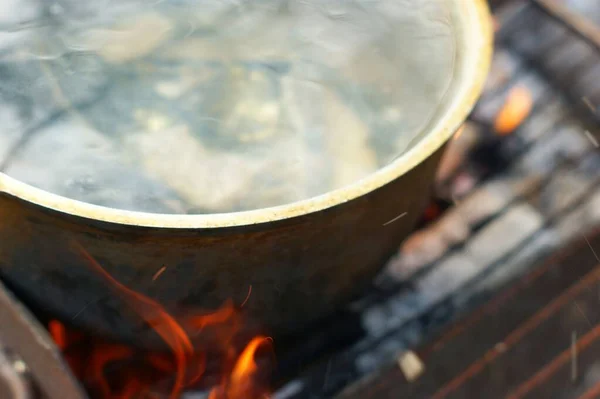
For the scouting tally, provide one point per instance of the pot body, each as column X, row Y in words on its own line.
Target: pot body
column 300, row 269
column 302, row 260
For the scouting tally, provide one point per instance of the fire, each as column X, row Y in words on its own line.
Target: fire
column 59, row 334
column 100, row 358
column 115, row 371
column 241, row 382
column 514, row 111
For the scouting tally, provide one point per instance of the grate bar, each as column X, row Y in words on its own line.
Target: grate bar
column 576, row 24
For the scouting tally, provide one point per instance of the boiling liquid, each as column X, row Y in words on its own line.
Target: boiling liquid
column 204, row 107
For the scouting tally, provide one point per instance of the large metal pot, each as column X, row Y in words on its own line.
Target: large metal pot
column 303, row 260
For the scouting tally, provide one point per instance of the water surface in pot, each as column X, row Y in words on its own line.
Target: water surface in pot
column 183, row 106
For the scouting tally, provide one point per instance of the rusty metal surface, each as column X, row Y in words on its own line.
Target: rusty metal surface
column 21, row 333
column 299, row 269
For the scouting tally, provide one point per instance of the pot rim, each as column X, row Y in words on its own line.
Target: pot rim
column 476, row 40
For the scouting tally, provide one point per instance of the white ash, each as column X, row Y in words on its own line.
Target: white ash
column 195, row 395
column 420, row 249
column 396, row 311
column 584, row 217
column 454, row 227
column 536, row 86
column 504, row 234
column 563, row 189
column 544, row 120
column 367, row 362
column 375, row 319
column 450, row 274
column 289, row 390
column 567, row 142
column 494, row 196
column 541, row 244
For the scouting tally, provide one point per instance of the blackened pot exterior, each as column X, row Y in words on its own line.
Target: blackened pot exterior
column 300, row 269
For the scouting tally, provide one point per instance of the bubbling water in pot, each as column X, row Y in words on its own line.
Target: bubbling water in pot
column 181, row 106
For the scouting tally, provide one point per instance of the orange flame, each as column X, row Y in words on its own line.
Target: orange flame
column 90, row 360
column 241, row 384
column 99, row 360
column 246, row 367
column 167, row 328
column 225, row 313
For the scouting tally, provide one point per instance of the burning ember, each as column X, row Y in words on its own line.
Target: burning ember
column 115, row 371
column 516, row 109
